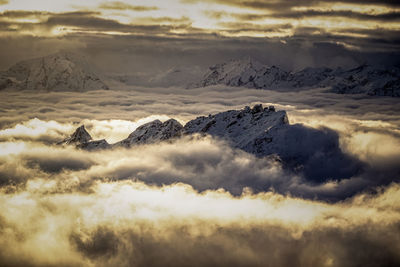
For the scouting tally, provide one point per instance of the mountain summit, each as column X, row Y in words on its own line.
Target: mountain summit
column 62, row 71
column 247, row 73
column 80, row 136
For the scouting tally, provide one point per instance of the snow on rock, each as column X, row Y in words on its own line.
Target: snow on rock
column 239, row 127
column 153, row 132
column 57, row 72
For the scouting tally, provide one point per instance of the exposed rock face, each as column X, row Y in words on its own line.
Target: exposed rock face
column 57, row 72
column 153, row 132
column 94, row 145
column 364, row 79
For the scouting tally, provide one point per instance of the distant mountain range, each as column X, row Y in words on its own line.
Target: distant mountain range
column 258, row 130
column 57, row 72
column 70, row 72
column 365, row 79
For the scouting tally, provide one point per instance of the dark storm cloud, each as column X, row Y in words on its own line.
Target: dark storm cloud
column 92, row 21
column 88, row 21
column 180, row 20
column 117, row 5
column 348, row 14
column 237, row 27
column 23, row 13
column 287, row 4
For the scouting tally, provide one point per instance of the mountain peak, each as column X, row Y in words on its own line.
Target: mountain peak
column 245, row 72
column 62, row 71
column 80, row 136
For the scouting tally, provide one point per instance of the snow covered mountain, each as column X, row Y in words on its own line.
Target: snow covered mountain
column 247, row 73
column 264, row 131
column 365, row 79
column 57, row 72
column 258, row 130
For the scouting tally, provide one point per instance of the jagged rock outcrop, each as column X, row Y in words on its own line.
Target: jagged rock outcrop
column 82, row 139
column 153, row 132
column 80, row 136
column 57, row 72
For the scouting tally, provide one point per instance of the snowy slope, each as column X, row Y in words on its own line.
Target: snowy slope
column 152, row 132
column 57, row 72
column 239, row 127
column 264, row 131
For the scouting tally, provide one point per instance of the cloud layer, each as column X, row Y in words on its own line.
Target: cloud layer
column 195, row 201
column 131, row 224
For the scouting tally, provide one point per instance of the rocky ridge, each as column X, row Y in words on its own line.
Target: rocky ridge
column 258, row 130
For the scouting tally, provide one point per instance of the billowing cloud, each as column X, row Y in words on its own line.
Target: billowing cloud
column 195, row 199
column 203, row 163
column 132, row 224
column 117, row 5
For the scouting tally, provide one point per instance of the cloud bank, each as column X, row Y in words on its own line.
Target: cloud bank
column 195, row 201
column 132, row 224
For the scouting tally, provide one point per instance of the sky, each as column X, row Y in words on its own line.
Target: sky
column 174, row 33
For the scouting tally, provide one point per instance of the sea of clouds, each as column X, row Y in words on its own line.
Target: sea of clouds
column 194, row 201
